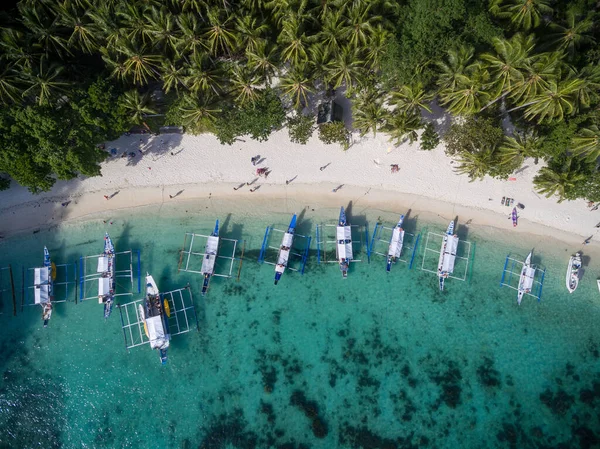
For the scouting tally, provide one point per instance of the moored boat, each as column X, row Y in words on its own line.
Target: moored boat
column 284, row 249
column 210, row 257
column 573, row 272
column 396, row 242
column 154, row 313
column 344, row 243
column 43, row 286
column 515, row 217
column 447, row 255
column 106, row 281
column 526, row 278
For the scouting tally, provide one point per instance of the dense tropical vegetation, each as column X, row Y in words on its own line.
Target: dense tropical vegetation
column 74, row 73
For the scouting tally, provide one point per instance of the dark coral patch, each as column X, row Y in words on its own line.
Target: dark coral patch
column 559, row 403
column 487, row 375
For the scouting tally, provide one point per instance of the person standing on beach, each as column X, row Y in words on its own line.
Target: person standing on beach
column 106, row 197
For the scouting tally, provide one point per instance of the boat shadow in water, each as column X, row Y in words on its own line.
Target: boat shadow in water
column 585, row 262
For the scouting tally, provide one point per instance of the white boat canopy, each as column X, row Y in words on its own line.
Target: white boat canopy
column 395, row 247
column 210, row 257
column 344, row 242
column 41, row 279
column 103, row 286
column 156, row 333
column 449, row 254
column 102, row 264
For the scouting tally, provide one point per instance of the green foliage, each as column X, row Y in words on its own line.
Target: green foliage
column 300, row 128
column 430, row 138
column 259, row 119
column 563, row 177
column 4, row 183
column 335, row 132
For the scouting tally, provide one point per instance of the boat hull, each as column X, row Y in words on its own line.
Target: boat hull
column 572, row 278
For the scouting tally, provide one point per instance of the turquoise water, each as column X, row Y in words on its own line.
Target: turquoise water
column 374, row 361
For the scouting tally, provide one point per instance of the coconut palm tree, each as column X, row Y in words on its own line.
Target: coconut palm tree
column 251, row 33
column 244, row 84
column 333, row 28
column 263, row 61
column 220, row 35
column 162, row 30
column 294, row 42
column 554, row 102
column 458, row 62
column 16, row 47
column 538, row 72
column 190, row 41
column 172, row 75
column 411, row 99
column 194, row 6
column 476, row 164
column 514, row 150
column 108, row 24
column 297, row 84
column 401, row 126
column 368, row 113
column 10, row 83
column 558, row 180
column 470, row 93
column 360, row 25
column 82, row 28
column 377, row 46
column 523, row 14
column 587, row 143
column 42, row 24
column 198, row 112
column 44, row 82
column 135, row 63
column 132, row 18
column 347, row 68
column 571, row 34
column 137, row 106
column 204, row 76
column 507, row 65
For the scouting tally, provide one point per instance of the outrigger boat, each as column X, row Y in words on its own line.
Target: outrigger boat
column 208, row 263
column 447, row 255
column 573, row 272
column 344, row 243
column 284, row 250
column 395, row 247
column 526, row 278
column 106, row 281
column 515, row 217
column 43, row 286
column 154, row 313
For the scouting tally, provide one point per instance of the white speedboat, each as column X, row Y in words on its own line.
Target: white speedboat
column 447, row 255
column 396, row 242
column 573, row 272
column 526, row 278
column 154, row 313
column 344, row 243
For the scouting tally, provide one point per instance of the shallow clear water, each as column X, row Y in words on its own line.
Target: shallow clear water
column 374, row 361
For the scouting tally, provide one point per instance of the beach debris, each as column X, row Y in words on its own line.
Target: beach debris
column 502, row 200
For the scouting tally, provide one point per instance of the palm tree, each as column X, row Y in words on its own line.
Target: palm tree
column 469, row 95
column 368, row 112
column 294, row 42
column 137, row 64
column 107, row 22
column 251, row 33
column 558, row 180
column 476, row 164
column 219, row 35
column 16, row 47
column 347, row 68
column 203, row 75
column 377, row 46
column 198, row 112
column 162, row 30
column 556, row 101
column 137, row 106
column 401, row 126
column 458, row 63
column 572, row 34
column 587, row 143
column 507, row 64
column 281, row 9
column 525, row 14
column 172, row 75
column 333, row 28
column 133, row 21
column 44, row 82
column 244, row 84
column 411, row 99
column 297, row 84
column 514, row 150
column 195, row 6
column 190, row 40
column 263, row 61
column 539, row 71
column 10, row 91
column 83, row 29
column 360, row 25
column 42, row 25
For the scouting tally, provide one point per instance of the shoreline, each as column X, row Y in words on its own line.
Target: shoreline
column 221, row 199
column 200, row 167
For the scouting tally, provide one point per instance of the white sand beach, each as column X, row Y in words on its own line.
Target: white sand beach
column 201, row 167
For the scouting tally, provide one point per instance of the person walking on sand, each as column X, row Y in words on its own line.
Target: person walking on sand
column 254, row 159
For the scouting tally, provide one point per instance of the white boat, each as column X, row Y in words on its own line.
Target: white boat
column 43, row 278
column 396, row 242
column 210, row 257
column 154, row 314
column 106, row 281
column 526, row 278
column 284, row 250
column 447, row 255
column 598, row 283
column 344, row 243
column 573, row 272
